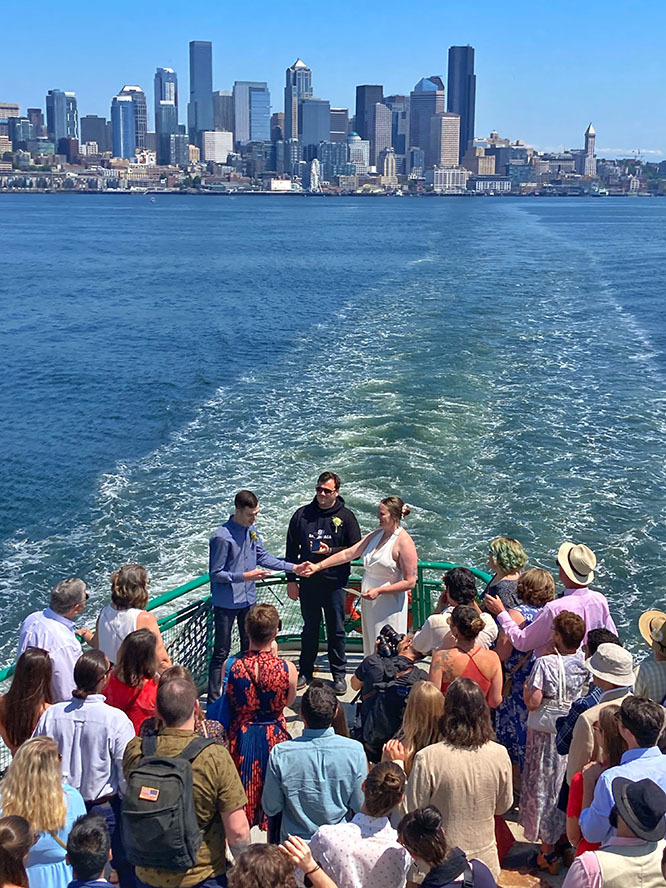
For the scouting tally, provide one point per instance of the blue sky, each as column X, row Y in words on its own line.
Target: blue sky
column 543, row 71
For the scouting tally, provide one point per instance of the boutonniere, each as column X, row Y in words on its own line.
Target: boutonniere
column 253, row 536
column 337, row 523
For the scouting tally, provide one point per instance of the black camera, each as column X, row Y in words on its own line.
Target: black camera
column 388, row 641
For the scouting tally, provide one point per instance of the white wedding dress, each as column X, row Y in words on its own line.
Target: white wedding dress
column 381, row 570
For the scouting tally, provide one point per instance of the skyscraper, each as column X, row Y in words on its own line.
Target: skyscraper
column 200, row 106
column 425, row 100
column 590, row 161
column 123, row 126
column 93, row 129
column 462, row 92
column 140, row 113
column 314, row 124
column 252, row 111
column 358, row 153
column 165, row 90
column 339, row 124
column 298, row 85
column 62, row 116
column 36, row 118
column 223, row 110
column 444, row 146
column 399, row 106
column 366, row 96
column 378, row 126
column 277, row 126
column 166, row 125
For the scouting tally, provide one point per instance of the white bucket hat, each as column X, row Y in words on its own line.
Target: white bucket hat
column 612, row 663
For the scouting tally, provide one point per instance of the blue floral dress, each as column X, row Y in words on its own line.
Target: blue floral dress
column 511, row 714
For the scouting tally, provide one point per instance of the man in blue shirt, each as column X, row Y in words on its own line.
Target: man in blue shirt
column 235, row 550
column 641, row 723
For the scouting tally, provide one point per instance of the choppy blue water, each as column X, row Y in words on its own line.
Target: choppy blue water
column 501, row 364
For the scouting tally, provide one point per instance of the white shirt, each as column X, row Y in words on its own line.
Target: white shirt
column 91, row 738
column 48, row 630
column 363, row 853
column 435, row 634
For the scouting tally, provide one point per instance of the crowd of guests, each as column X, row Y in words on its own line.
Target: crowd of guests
column 528, row 698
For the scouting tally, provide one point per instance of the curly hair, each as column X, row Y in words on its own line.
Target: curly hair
column 129, row 587
column 508, row 554
column 536, row 587
column 32, row 787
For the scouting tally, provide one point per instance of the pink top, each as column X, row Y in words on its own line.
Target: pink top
column 585, row 871
column 538, row 636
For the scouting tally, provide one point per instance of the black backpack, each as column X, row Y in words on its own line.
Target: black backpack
column 159, row 823
column 388, row 700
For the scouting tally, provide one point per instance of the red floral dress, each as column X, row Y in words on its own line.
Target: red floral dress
column 257, row 697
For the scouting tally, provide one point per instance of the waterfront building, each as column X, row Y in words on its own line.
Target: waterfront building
column 314, row 125
column 447, row 180
column 277, row 126
column 123, row 126
column 298, row 86
column 200, row 106
column 140, row 113
column 425, row 100
column 367, row 95
column 216, row 146
column 358, row 153
column 339, row 129
column 489, row 184
column 333, row 160
column 166, row 116
column 462, row 91
column 444, row 144
column 386, row 163
column 521, row 173
column 62, row 116
column 94, row 129
column 478, row 162
column 36, row 118
column 252, row 111
column 165, row 89
column 20, row 131
column 379, row 122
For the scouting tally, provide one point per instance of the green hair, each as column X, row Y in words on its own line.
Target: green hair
column 508, row 553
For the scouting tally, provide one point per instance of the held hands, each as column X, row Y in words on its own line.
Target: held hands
column 302, row 570
column 494, row 604
column 298, row 853
column 371, row 594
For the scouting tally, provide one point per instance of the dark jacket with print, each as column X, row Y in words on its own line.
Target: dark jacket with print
column 336, row 526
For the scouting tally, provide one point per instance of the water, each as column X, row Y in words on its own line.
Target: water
column 500, row 364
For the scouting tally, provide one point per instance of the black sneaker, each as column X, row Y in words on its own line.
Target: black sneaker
column 340, row 686
column 303, row 680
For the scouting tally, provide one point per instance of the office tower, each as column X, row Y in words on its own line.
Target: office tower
column 20, row 131
column 339, row 124
column 378, row 125
column 200, row 106
column 216, row 146
column 62, row 116
column 399, row 106
column 387, row 167
column 140, row 113
column 165, row 89
column 461, row 97
column 366, row 96
column 69, row 148
column 166, row 122
column 277, row 126
column 71, row 116
column 314, row 125
column 416, row 162
column 8, row 109
column 425, row 100
column 358, row 153
column 252, row 111
column 123, row 126
column 36, row 118
column 298, row 86
column 223, row 110
column 179, row 150
column 333, row 160
column 444, row 144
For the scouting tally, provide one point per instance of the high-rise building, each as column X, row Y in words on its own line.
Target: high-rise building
column 298, row 85
column 358, row 153
column 366, row 97
column 166, row 122
column 387, row 168
column 252, row 111
column 165, row 90
column 179, row 150
column 277, row 126
column 8, row 109
column 333, row 159
column 200, row 106
column 216, row 146
column 62, row 116
column 444, row 145
column 123, row 126
column 415, row 163
column 339, row 125
column 590, row 160
column 314, row 125
column 140, row 113
column 425, row 100
column 399, row 106
column 36, row 118
column 461, row 98
column 223, row 110
column 20, row 131
column 378, row 120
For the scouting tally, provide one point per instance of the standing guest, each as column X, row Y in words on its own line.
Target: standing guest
column 468, row 659
column 88, row 852
column 466, row 766
column 235, row 550
column 633, row 856
column 315, row 779
column 91, row 738
column 422, row 834
column 641, row 724
column 535, row 589
column 365, row 851
column 651, row 674
column 459, row 588
column 28, row 697
column 33, row 789
column 53, row 630
column 208, row 728
column 324, row 527
column 132, row 686
column 260, row 686
column 555, row 680
column 16, row 840
column 268, row 865
column 420, row 725
column 506, row 559
column 127, row 613
column 390, row 563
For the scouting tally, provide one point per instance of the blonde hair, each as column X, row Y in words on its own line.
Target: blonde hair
column 32, row 787
column 420, row 723
column 508, row 554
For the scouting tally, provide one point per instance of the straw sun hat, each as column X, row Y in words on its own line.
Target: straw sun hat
column 652, row 626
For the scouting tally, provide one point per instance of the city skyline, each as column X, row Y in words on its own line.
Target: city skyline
column 529, row 85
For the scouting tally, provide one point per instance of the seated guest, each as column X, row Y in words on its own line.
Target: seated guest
column 259, row 687
column 207, row 728
column 268, row 865
column 127, row 613
column 506, row 559
column 422, row 834
column 132, row 686
column 641, row 723
column 420, row 725
column 16, row 839
column 576, row 564
column 315, row 779
column 365, row 851
column 634, row 855
column 28, row 697
column 53, row 630
column 612, row 747
column 33, row 789
column 535, row 589
column 467, row 658
column 651, row 675
column 88, row 852
column 459, row 588
column 555, row 680
column 465, row 765
column 91, row 738
column 217, row 795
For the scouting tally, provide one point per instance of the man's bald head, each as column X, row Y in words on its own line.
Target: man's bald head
column 176, row 700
